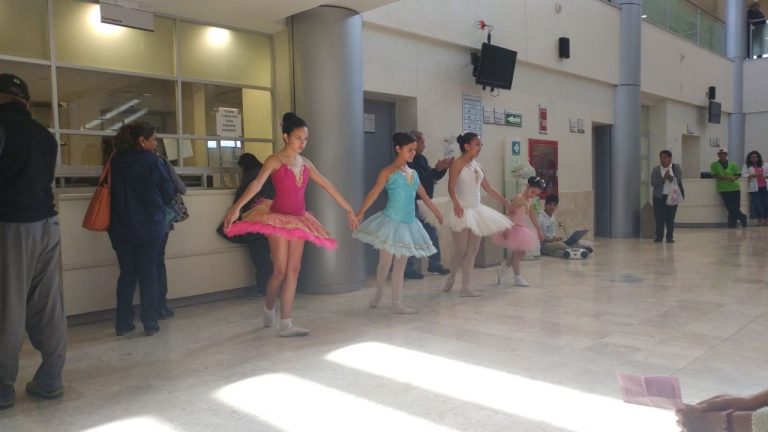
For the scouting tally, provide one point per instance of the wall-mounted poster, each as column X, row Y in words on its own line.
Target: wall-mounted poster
column 542, row 119
column 581, row 125
column 573, row 125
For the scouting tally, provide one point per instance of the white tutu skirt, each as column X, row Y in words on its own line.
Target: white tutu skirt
column 482, row 220
column 397, row 238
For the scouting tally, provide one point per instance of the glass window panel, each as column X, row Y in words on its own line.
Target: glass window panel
column 257, row 114
column 85, row 150
column 261, row 150
column 38, row 78
column 98, row 101
column 656, row 11
column 24, row 28
column 216, row 54
column 200, row 104
column 683, row 19
column 223, row 153
column 194, row 152
column 82, row 39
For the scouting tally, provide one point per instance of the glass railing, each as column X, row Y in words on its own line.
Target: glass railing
column 758, row 46
column 687, row 20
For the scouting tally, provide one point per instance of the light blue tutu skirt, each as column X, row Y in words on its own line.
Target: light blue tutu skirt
column 397, row 238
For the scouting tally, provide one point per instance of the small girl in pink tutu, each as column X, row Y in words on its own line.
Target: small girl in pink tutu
column 520, row 238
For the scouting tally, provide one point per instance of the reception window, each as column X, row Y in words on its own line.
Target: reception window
column 207, row 90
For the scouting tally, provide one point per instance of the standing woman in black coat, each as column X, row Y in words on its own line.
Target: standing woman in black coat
column 141, row 189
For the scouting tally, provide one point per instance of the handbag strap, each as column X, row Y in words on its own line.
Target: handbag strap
column 107, row 172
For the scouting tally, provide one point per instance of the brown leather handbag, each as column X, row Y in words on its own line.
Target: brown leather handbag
column 97, row 216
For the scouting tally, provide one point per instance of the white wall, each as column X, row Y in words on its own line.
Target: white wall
column 756, row 106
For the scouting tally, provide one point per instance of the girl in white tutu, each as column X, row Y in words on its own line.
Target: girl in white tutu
column 395, row 231
column 467, row 217
column 520, row 238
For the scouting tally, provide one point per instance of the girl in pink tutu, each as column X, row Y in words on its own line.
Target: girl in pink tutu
column 285, row 221
column 520, row 238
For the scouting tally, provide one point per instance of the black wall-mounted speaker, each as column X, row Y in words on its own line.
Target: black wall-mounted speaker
column 564, row 47
column 711, row 93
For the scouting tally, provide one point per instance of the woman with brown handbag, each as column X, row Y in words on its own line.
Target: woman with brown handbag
column 141, row 190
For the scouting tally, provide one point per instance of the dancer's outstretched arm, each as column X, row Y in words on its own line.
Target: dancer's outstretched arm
column 272, row 163
column 453, row 178
column 496, row 195
column 318, row 178
column 381, row 182
column 428, row 202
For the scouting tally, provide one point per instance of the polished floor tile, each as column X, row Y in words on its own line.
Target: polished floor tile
column 539, row 359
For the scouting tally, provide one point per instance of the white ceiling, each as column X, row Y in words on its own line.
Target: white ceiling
column 260, row 15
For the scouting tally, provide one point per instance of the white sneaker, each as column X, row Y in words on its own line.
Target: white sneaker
column 291, row 330
column 519, row 281
column 268, row 317
column 402, row 309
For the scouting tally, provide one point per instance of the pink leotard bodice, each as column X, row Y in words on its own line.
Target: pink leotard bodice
column 289, row 191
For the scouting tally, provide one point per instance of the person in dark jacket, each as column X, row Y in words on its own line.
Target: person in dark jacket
column 141, row 189
column 429, row 177
column 30, row 285
column 165, row 311
column 259, row 248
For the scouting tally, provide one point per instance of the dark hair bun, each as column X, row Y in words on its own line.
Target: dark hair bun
column 536, row 182
column 291, row 121
column 401, row 139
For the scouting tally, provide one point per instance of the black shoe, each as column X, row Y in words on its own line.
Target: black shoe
column 122, row 329
column 7, row 397
column 413, row 275
column 658, row 240
column 743, row 221
column 438, row 269
column 151, row 329
column 670, row 240
column 35, row 390
column 165, row 313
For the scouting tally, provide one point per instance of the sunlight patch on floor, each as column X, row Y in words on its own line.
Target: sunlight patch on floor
column 294, row 404
column 560, row 406
column 134, row 424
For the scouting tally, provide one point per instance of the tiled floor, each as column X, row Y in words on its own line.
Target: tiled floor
column 516, row 359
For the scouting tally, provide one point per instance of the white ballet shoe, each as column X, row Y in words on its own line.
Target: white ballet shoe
column 501, row 270
column 519, row 281
column 402, row 309
column 376, row 299
column 287, row 329
column 469, row 293
column 268, row 317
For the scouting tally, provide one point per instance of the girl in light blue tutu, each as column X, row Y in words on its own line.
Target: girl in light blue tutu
column 395, row 231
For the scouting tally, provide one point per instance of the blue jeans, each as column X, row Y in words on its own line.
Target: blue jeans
column 138, row 262
column 434, row 259
column 757, row 203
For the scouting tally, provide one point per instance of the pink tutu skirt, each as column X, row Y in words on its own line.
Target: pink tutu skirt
column 518, row 238
column 260, row 219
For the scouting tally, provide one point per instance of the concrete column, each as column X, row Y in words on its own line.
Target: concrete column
column 625, row 152
column 328, row 89
column 736, row 50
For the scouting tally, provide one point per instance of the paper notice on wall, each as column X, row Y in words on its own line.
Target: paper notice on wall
column 229, row 122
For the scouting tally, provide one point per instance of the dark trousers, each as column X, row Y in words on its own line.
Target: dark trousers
column 758, row 204
column 138, row 262
column 262, row 260
column 665, row 216
column 434, row 259
column 30, row 298
column 162, row 277
column 732, row 201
